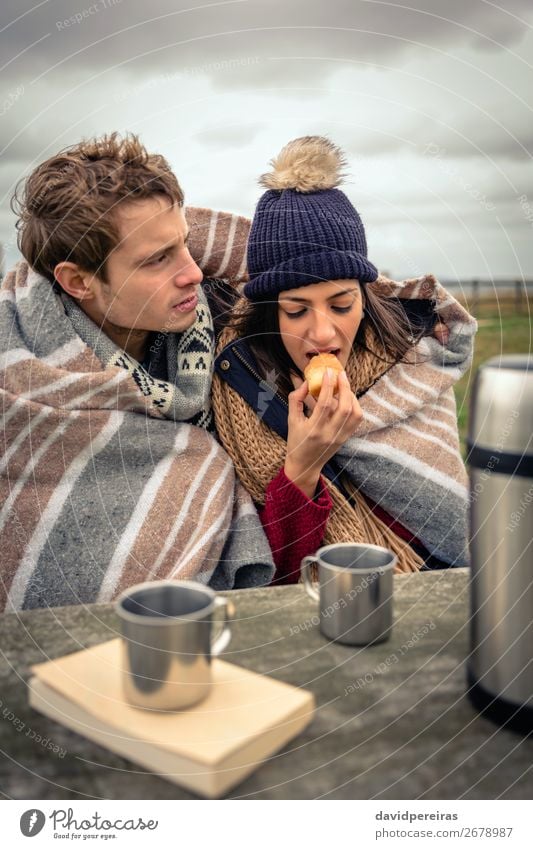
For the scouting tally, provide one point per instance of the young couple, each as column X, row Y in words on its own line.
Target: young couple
column 110, row 467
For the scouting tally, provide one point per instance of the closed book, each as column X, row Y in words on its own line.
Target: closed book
column 208, row 748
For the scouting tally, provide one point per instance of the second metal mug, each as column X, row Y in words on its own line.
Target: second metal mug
column 355, row 597
column 167, row 642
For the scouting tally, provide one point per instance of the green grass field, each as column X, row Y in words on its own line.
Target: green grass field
column 505, row 327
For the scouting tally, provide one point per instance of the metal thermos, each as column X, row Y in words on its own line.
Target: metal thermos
column 500, row 668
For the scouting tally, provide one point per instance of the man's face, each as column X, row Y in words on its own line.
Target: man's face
column 152, row 278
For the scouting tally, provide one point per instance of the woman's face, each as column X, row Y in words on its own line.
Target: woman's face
column 318, row 318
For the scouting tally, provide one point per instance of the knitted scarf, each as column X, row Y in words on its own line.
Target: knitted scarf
column 405, row 455
column 103, row 480
column 187, row 360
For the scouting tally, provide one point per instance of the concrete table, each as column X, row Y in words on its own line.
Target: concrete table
column 392, row 721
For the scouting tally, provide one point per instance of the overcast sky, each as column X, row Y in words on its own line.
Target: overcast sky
column 431, row 101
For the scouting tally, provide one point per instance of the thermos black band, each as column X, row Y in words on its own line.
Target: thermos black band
column 501, row 462
column 517, row 717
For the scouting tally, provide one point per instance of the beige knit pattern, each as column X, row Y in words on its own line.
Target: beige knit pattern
column 258, row 453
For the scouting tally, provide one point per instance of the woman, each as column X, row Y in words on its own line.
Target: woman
column 378, row 461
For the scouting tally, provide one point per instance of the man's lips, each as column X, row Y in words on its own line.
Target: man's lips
column 187, row 304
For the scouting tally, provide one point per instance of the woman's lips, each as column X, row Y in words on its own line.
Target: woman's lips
column 334, row 351
column 188, row 305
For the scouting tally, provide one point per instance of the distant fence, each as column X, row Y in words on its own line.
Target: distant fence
column 475, row 290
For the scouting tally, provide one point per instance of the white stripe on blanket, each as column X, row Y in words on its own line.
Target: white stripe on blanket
column 373, row 395
column 415, row 291
column 210, row 239
column 31, row 426
column 67, row 352
column 15, row 407
column 402, row 372
column 57, row 358
column 445, row 411
column 434, row 422
column 20, row 293
column 429, row 438
column 186, row 506
column 414, row 399
column 229, row 247
column 122, row 397
column 54, row 507
column 365, row 446
column 204, row 539
column 194, row 543
column 373, row 418
column 442, row 305
column 242, row 267
column 116, row 567
column 34, row 459
column 14, row 356
column 117, row 378
column 30, row 467
column 62, row 383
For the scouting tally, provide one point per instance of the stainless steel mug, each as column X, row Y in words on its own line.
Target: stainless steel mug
column 500, row 667
column 167, row 642
column 355, row 596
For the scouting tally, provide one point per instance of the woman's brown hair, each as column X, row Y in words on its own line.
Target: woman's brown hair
column 66, row 206
column 398, row 327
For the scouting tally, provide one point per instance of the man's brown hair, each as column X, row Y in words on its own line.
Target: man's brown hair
column 66, row 206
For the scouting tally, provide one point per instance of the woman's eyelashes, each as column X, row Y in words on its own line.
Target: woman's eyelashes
column 304, row 310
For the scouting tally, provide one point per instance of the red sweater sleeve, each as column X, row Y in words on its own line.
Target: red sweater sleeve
column 294, row 524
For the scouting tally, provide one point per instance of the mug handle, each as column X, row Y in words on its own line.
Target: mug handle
column 219, row 643
column 310, row 588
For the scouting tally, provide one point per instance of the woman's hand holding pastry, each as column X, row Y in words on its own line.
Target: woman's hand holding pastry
column 315, row 439
column 309, row 401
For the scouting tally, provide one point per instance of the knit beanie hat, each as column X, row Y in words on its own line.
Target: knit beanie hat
column 304, row 229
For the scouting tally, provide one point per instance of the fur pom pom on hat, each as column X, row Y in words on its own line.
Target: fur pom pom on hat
column 309, row 164
column 305, row 230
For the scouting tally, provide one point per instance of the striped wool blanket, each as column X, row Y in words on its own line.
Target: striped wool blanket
column 405, row 455
column 101, row 484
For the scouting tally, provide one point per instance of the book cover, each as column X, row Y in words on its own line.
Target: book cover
column 208, row 748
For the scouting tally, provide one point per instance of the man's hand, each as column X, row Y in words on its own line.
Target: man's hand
column 441, row 333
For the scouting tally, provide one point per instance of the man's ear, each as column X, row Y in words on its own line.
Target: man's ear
column 74, row 281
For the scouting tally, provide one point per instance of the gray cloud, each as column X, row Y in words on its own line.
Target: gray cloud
column 59, row 34
column 508, row 134
column 237, row 136
column 220, row 88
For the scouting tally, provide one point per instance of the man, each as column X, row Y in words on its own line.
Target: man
column 109, row 474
